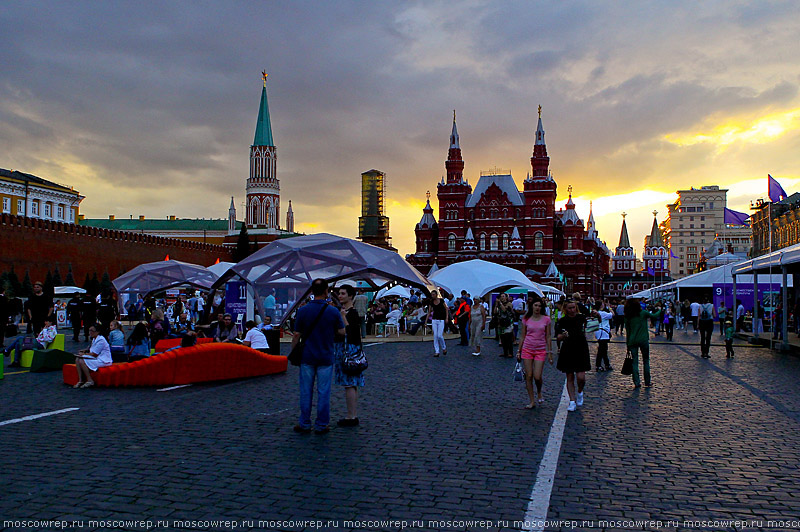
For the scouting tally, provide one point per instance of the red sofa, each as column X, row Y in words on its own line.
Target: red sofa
column 200, row 363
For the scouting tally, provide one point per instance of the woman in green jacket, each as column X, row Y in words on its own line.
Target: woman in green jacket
column 638, row 337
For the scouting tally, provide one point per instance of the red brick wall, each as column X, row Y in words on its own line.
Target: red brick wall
column 38, row 245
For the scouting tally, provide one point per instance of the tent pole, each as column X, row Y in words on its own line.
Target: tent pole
column 755, row 303
column 785, row 313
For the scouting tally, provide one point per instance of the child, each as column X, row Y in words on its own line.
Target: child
column 729, row 339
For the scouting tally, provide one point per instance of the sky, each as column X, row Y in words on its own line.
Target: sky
column 149, row 108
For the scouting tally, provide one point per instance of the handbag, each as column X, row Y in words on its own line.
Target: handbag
column 592, row 325
column 627, row 366
column 354, row 361
column 296, row 354
column 29, row 343
column 519, row 373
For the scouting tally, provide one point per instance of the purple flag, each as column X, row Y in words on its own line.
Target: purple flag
column 776, row 192
column 651, row 271
column 735, row 217
column 671, row 254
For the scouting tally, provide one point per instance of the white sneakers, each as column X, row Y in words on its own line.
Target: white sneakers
column 476, row 354
column 573, row 405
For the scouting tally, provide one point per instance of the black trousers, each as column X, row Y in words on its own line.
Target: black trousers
column 507, row 341
column 463, row 328
column 76, row 329
column 602, row 354
column 668, row 328
column 729, row 348
column 706, row 330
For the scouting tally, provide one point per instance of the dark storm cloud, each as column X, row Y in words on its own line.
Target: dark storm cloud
column 164, row 96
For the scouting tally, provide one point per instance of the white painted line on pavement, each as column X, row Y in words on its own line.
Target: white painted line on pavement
column 36, row 416
column 536, row 515
column 272, row 413
column 370, row 345
column 173, row 388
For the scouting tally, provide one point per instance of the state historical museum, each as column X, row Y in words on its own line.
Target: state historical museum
column 522, row 229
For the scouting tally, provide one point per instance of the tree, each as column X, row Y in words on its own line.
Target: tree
column 49, row 286
column 87, row 284
column 105, row 284
column 69, row 280
column 94, row 285
column 57, row 278
column 242, row 250
column 27, row 285
column 13, row 284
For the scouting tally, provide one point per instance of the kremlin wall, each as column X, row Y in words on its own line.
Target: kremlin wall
column 38, row 245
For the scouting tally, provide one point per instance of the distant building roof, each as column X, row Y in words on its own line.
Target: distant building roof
column 35, row 180
column 504, row 182
column 155, row 224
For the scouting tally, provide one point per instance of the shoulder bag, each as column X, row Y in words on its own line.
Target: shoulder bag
column 296, row 355
column 354, row 361
column 627, row 366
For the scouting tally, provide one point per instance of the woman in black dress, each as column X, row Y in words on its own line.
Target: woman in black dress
column 573, row 358
column 351, row 383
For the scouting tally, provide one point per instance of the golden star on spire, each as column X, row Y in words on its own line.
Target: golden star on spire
column 264, row 77
column 540, row 111
column 428, row 194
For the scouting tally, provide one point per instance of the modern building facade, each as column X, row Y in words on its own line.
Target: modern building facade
column 27, row 195
column 497, row 222
column 373, row 224
column 693, row 222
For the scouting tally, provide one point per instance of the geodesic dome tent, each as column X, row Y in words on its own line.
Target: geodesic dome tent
column 296, row 262
column 162, row 275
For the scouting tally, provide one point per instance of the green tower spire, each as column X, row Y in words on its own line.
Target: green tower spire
column 263, row 135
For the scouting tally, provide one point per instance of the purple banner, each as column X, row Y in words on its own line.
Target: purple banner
column 768, row 296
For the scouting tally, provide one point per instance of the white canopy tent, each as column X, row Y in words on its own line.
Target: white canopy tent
column 395, row 291
column 550, row 291
column 480, row 277
column 68, row 290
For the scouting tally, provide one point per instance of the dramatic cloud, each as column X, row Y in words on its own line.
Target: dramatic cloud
column 150, row 108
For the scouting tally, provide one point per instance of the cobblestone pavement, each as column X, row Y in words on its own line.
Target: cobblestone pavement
column 443, row 441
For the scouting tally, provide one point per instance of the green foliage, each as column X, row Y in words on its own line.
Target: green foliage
column 69, row 280
column 27, row 285
column 242, row 250
column 49, row 286
column 57, row 278
column 14, row 286
column 105, row 284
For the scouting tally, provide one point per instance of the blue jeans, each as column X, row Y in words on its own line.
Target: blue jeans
column 324, row 376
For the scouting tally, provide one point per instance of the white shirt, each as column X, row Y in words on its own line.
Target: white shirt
column 695, row 309
column 740, row 311
column 518, row 304
column 101, row 348
column 256, row 338
column 394, row 317
column 603, row 333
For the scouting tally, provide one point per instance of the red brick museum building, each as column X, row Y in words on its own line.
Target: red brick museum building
column 522, row 229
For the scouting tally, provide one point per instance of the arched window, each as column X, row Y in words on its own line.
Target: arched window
column 482, row 241
column 505, row 241
column 517, row 213
column 483, row 213
column 451, row 242
column 538, row 240
column 505, row 213
column 569, row 243
column 254, row 212
column 493, row 242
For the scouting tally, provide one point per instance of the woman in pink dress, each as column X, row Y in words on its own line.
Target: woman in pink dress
column 534, row 349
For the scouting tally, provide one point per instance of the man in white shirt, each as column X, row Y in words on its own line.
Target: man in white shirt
column 43, row 339
column 740, row 312
column 254, row 338
column 518, row 304
column 695, row 309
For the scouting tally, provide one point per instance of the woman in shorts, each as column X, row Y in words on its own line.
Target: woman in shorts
column 534, row 348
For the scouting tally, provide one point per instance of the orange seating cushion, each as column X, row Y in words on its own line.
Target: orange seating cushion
column 169, row 343
column 200, row 363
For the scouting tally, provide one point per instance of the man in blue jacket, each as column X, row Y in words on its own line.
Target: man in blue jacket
column 319, row 323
